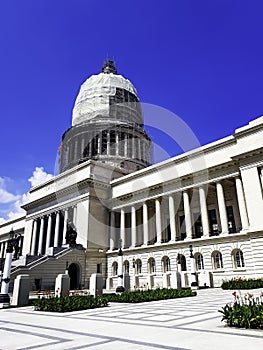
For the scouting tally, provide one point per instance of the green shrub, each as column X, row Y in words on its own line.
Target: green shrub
column 246, row 313
column 239, row 283
column 68, row 303
column 139, row 296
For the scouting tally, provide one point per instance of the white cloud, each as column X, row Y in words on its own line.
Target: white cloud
column 39, row 176
column 5, row 196
column 12, row 202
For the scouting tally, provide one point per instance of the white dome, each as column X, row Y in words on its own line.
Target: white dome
column 93, row 97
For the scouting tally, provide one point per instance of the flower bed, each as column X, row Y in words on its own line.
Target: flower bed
column 244, row 312
column 68, row 303
column 239, row 283
column 140, row 296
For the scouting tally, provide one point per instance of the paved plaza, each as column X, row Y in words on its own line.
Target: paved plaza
column 187, row 323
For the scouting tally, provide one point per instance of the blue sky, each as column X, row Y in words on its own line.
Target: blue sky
column 201, row 60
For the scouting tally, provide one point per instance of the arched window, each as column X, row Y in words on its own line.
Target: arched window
column 199, row 261
column 126, row 266
column 115, row 268
column 238, row 259
column 166, row 264
column 138, row 266
column 217, row 260
column 151, row 265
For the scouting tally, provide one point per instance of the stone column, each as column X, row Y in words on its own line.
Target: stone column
column 145, row 223
column 34, row 237
column 49, row 224
column 122, row 228
column 112, row 231
column 65, row 226
column 222, row 207
column 99, row 143
column 253, row 194
column 1, row 249
column 117, row 143
column 241, row 204
column 187, row 215
column 89, row 145
column 75, row 215
column 5, row 248
column 139, row 149
column 4, row 297
column 82, row 146
column 172, row 218
column 133, row 227
column 108, row 143
column 56, row 239
column 133, row 146
column 125, row 145
column 204, row 211
column 41, row 236
column 143, row 150
column 158, row 220
column 76, row 150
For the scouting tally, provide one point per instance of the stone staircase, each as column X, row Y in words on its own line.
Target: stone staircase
column 45, row 268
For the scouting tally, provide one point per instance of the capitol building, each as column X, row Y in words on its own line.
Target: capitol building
column 111, row 195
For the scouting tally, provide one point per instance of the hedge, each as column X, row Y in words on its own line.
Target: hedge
column 239, row 283
column 68, row 303
column 140, row 296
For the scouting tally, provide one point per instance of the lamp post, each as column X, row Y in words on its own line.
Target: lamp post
column 133, row 280
column 66, row 270
column 193, row 279
column 11, row 244
column 120, row 288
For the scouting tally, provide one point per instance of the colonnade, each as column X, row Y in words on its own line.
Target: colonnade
column 50, row 230
column 172, row 217
column 107, row 143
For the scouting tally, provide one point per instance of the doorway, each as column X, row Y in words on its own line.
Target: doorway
column 73, row 271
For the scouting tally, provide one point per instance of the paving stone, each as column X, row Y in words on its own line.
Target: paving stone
column 185, row 323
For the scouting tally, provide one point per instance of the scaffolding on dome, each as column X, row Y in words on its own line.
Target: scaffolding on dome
column 108, row 139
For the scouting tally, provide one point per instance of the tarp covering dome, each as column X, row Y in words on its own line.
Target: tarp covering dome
column 107, row 125
column 95, row 94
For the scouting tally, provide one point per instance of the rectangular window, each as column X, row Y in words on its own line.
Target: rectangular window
column 230, row 219
column 213, row 222
column 198, row 225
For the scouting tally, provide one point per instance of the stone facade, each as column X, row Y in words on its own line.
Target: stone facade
column 210, row 198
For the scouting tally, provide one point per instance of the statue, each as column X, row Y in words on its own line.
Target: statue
column 16, row 247
column 71, row 235
column 13, row 245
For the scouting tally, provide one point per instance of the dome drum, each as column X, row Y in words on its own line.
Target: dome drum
column 120, row 145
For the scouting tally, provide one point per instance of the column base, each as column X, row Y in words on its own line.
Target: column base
column 223, row 234
column 205, row 236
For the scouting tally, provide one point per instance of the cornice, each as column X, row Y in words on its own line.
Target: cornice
column 59, row 194
column 196, row 243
